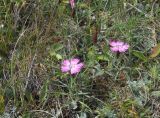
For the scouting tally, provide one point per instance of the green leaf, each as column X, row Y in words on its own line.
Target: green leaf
column 92, row 53
column 65, row 1
column 26, row 115
column 140, row 55
column 154, row 72
column 44, row 91
column 54, row 51
column 155, row 51
column 102, row 57
column 155, row 93
column 82, row 5
column 61, row 9
column 2, row 107
column 56, row 47
column 58, row 56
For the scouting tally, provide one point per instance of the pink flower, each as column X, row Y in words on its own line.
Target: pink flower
column 72, row 66
column 118, row 46
column 72, row 3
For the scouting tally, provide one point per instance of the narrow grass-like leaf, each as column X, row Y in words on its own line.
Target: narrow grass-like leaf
column 44, row 91
column 140, row 55
column 1, row 104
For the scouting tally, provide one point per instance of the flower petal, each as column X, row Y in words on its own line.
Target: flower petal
column 73, row 66
column 65, row 63
column 65, row 68
column 113, row 43
column 123, row 48
column 80, row 65
column 74, row 61
column 114, row 49
column 120, row 43
column 77, row 68
column 72, row 3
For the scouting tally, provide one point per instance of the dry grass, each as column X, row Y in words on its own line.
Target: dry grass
column 38, row 34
